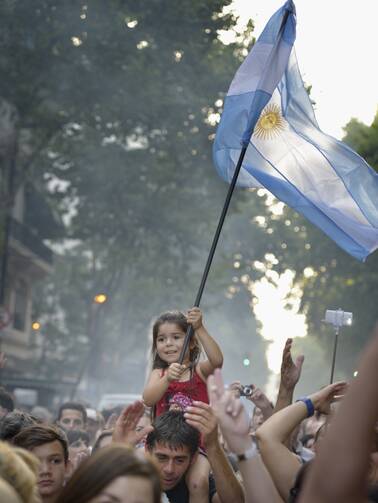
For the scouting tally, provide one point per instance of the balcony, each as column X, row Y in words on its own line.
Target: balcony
column 30, row 241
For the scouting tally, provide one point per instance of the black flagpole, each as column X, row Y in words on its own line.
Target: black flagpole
column 189, row 332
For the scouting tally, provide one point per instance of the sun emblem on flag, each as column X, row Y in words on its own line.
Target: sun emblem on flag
column 270, row 124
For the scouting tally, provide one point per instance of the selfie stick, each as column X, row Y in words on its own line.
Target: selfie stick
column 337, row 330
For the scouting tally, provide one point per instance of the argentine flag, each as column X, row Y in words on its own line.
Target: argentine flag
column 268, row 110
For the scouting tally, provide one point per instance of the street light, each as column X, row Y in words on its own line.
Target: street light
column 100, row 298
column 36, row 325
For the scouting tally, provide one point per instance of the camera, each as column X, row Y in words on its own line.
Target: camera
column 338, row 318
column 246, row 389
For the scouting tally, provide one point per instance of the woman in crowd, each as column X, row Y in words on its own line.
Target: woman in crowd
column 114, row 474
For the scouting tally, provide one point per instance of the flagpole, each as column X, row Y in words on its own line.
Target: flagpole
column 189, row 332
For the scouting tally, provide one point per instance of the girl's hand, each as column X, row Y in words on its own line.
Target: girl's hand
column 175, row 371
column 194, row 318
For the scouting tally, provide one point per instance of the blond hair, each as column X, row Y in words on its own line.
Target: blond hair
column 7, row 493
column 19, row 469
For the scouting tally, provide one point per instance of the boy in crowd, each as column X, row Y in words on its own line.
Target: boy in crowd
column 49, row 445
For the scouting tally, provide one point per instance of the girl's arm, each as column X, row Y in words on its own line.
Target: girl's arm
column 158, row 384
column 281, row 463
column 342, row 463
column 211, row 348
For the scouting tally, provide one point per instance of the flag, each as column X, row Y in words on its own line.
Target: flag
column 268, row 111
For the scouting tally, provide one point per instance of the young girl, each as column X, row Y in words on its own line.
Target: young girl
column 170, row 382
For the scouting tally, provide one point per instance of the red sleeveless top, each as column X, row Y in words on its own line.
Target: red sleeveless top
column 194, row 389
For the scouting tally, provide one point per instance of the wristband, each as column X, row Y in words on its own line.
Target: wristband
column 248, row 454
column 309, row 405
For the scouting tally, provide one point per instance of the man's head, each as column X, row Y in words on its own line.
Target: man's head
column 174, row 444
column 6, row 402
column 13, row 423
column 72, row 416
column 49, row 445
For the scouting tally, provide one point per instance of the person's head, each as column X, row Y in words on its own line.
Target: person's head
column 6, row 402
column 143, row 423
column 168, row 335
column 103, row 440
column 72, row 416
column 319, row 435
column 78, row 443
column 49, row 445
column 95, row 422
column 308, row 441
column 13, row 423
column 256, row 420
column 19, row 470
column 114, row 473
column 42, row 414
column 174, row 444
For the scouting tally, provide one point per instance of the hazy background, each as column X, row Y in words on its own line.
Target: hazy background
column 108, row 114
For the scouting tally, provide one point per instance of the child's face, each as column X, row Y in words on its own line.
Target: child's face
column 169, row 342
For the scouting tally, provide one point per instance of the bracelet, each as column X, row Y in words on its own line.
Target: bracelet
column 309, row 405
column 248, row 454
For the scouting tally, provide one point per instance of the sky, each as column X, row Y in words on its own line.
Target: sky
column 336, row 47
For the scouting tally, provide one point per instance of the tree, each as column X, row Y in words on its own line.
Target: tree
column 117, row 103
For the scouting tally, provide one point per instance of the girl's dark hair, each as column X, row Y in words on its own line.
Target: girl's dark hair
column 178, row 318
column 299, row 481
column 100, row 469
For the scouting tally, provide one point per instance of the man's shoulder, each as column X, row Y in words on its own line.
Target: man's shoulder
column 180, row 493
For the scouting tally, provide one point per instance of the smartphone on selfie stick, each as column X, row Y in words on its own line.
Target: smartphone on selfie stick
column 337, row 319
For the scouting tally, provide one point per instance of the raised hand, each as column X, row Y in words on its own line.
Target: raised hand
column 230, row 412
column 194, row 318
column 323, row 398
column 290, row 371
column 125, row 427
column 201, row 416
column 262, row 402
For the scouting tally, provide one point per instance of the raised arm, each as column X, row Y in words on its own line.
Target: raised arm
column 290, row 374
column 281, row 463
column 210, row 346
column 234, row 423
column 202, row 417
column 341, row 467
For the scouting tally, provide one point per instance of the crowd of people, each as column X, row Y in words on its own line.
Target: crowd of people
column 190, row 439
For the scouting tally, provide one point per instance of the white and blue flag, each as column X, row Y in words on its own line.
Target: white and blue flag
column 268, row 110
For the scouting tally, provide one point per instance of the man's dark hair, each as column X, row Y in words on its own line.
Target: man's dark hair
column 73, row 406
column 172, row 430
column 6, row 400
column 37, row 435
column 76, row 435
column 13, row 423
